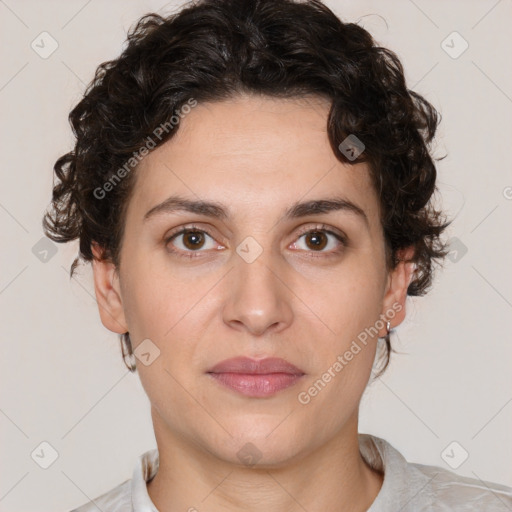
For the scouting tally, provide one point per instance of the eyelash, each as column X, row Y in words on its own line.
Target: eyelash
column 322, row 228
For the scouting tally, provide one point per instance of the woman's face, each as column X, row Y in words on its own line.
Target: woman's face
column 251, row 282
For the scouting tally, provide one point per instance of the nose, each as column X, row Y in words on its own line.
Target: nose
column 259, row 297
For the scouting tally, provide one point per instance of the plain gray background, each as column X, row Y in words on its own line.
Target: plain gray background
column 63, row 380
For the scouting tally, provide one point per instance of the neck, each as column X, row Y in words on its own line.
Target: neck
column 332, row 477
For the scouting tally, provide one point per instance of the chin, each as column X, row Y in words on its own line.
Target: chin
column 259, row 444
column 260, row 453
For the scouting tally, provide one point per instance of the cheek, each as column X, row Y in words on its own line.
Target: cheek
column 169, row 309
column 153, row 297
column 344, row 357
column 352, row 301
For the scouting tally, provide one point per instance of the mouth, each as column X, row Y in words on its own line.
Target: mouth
column 256, row 378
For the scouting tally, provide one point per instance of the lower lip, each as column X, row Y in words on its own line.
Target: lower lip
column 254, row 385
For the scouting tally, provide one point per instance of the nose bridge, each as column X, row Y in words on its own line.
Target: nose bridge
column 258, row 297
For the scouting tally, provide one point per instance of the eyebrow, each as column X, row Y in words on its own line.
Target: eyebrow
column 219, row 211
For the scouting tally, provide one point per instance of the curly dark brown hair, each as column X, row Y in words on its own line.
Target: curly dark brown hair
column 214, row 49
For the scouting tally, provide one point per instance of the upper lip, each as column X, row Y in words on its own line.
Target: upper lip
column 258, row 367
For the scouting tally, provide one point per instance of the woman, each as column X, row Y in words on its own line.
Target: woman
column 252, row 183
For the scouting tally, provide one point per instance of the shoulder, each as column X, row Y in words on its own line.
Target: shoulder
column 117, row 499
column 414, row 487
column 132, row 493
column 446, row 490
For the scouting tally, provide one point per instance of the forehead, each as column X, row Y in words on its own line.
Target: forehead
column 251, row 152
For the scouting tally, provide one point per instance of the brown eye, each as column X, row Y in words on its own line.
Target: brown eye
column 193, row 239
column 320, row 240
column 190, row 242
column 316, row 240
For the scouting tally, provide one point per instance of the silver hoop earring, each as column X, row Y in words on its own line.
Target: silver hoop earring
column 388, row 337
column 126, row 350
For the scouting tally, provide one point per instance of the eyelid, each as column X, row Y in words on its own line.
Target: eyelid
column 182, row 230
column 339, row 235
column 325, row 228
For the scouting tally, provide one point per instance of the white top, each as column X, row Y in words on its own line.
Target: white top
column 407, row 487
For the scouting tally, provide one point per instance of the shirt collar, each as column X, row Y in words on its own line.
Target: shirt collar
column 402, row 481
column 145, row 470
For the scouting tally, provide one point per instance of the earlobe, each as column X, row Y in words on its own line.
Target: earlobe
column 108, row 296
column 398, row 282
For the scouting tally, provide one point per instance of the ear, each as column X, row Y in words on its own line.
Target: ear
column 108, row 296
column 396, row 290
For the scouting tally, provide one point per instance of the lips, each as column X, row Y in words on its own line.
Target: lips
column 258, row 367
column 256, row 378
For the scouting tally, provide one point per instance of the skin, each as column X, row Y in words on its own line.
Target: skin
column 258, row 156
